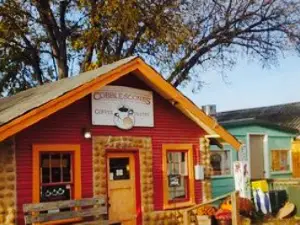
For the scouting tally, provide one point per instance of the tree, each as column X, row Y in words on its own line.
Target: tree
column 223, row 28
column 45, row 40
column 34, row 42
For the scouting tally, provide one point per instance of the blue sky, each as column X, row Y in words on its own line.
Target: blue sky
column 248, row 85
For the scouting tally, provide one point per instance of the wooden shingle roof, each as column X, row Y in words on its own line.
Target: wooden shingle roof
column 283, row 115
column 16, row 105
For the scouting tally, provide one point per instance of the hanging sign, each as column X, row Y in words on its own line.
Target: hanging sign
column 123, row 107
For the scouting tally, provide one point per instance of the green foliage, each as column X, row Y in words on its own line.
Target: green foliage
column 46, row 40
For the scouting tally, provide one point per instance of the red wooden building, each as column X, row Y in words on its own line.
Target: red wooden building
column 120, row 131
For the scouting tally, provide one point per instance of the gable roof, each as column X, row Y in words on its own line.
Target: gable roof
column 28, row 107
column 283, row 116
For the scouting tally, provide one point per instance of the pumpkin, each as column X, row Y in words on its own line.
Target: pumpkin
column 226, row 204
column 245, row 205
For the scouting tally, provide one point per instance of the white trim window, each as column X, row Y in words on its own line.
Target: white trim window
column 220, row 161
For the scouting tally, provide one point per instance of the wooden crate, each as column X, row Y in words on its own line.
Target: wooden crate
column 204, row 220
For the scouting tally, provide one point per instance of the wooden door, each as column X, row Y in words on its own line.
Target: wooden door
column 257, row 165
column 296, row 158
column 121, row 188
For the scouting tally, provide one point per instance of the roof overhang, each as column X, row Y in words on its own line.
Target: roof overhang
column 142, row 71
column 260, row 122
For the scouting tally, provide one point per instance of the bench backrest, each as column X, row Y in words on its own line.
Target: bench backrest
column 89, row 207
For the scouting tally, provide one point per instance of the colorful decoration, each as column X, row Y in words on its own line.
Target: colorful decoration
column 223, row 214
column 208, row 210
column 286, row 210
column 226, row 204
column 261, row 196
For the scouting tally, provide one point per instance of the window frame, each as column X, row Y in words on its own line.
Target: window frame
column 289, row 160
column 37, row 149
column 230, row 163
column 188, row 148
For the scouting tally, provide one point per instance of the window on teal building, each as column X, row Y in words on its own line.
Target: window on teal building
column 220, row 162
column 280, row 160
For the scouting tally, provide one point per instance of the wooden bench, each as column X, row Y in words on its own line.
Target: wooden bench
column 90, row 211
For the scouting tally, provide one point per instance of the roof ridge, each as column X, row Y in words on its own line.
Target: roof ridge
column 260, row 107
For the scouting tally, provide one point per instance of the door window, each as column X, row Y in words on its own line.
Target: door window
column 119, row 169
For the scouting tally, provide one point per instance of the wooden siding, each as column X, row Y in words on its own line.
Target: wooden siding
column 277, row 139
column 65, row 127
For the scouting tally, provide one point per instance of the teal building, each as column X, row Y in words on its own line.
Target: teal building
column 267, row 133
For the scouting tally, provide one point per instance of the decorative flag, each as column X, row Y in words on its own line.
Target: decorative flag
column 242, row 178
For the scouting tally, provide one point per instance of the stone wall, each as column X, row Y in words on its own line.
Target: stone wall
column 144, row 146
column 168, row 217
column 205, row 161
column 7, row 182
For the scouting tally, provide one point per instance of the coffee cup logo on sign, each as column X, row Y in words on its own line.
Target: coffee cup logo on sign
column 124, row 118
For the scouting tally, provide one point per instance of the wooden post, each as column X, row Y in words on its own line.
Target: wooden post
column 186, row 219
column 235, row 208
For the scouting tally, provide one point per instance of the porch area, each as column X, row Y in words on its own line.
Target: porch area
column 196, row 215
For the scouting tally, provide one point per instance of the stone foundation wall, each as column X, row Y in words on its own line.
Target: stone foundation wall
column 144, row 146
column 7, row 182
column 168, row 217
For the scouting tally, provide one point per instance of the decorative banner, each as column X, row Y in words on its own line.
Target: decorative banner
column 242, row 178
column 261, row 196
column 123, row 107
column 55, row 193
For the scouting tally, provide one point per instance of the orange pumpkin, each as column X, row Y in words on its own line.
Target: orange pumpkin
column 226, row 204
column 245, row 206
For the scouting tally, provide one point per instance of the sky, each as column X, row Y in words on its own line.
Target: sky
column 248, row 85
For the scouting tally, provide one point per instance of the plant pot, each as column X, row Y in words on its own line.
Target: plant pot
column 224, row 222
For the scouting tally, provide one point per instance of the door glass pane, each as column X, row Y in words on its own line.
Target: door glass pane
column 119, row 169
